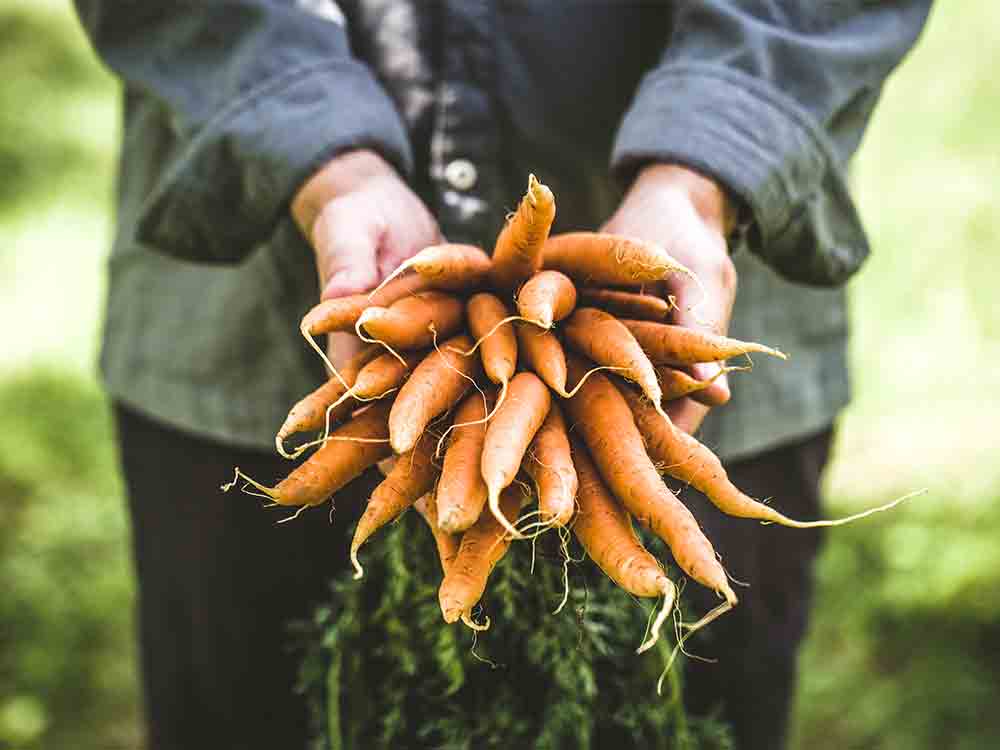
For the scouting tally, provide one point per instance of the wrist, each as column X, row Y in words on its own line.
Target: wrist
column 341, row 175
column 712, row 203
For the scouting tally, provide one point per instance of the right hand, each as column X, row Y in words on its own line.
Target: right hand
column 362, row 221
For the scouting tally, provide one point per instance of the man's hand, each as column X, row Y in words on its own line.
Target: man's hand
column 362, row 221
column 690, row 216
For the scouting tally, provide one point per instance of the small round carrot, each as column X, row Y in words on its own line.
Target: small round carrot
column 411, row 322
column 349, row 450
column 482, row 547
column 602, row 417
column 605, row 340
column 546, row 298
column 550, row 465
column 508, row 436
column 626, row 304
column 461, row 491
column 542, row 353
column 497, row 341
column 412, row 476
column 310, row 413
column 436, row 384
column 384, row 373
column 610, row 259
column 518, row 251
column 681, row 345
column 447, row 544
column 341, row 313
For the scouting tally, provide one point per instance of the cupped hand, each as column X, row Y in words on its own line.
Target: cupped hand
column 690, row 216
column 362, row 221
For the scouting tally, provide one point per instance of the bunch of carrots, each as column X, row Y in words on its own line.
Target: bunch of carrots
column 536, row 375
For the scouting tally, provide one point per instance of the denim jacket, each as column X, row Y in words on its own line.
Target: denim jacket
column 230, row 106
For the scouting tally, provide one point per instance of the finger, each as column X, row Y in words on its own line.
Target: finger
column 341, row 346
column 346, row 245
column 686, row 414
column 717, row 393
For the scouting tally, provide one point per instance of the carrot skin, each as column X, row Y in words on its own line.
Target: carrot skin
column 341, row 313
column 609, row 259
column 603, row 418
column 412, row 322
column 546, row 298
column 681, row 345
column 384, row 373
column 436, row 384
column 498, row 350
column 461, row 492
column 550, row 465
column 482, row 547
column 447, row 544
column 517, row 255
column 624, row 304
column 453, row 267
column 542, row 353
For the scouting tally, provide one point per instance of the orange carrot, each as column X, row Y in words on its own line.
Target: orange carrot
column 509, row 434
column 518, row 251
column 436, row 384
column 482, row 547
column 542, row 353
column 461, row 492
column 604, row 339
column 447, row 544
column 626, row 304
column 384, row 373
column 411, row 322
column 610, row 259
column 549, row 464
column 350, row 449
column 677, row 384
column 411, row 477
column 603, row 418
column 681, row 345
column 498, row 343
column 546, row 298
column 449, row 266
column 341, row 313
column 310, row 413
column 685, row 458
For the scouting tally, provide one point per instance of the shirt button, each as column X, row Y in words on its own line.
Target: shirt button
column 461, row 174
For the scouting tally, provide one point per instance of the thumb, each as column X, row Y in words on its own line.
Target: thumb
column 346, row 244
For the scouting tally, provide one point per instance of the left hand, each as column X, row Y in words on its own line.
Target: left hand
column 690, row 216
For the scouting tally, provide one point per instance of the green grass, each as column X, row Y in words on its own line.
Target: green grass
column 902, row 653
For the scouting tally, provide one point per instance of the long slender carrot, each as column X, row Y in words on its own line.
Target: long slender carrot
column 482, row 547
column 681, row 345
column 485, row 313
column 518, row 251
column 341, row 313
column 450, row 266
column 350, row 449
column 411, row 477
column 310, row 413
column 447, row 544
column 605, row 340
column 411, row 322
column 626, row 304
column 542, row 353
column 550, row 465
column 603, row 418
column 546, row 298
column 436, row 384
column 461, row 492
column 610, row 259
column 677, row 384
column 384, row 373
column 508, row 436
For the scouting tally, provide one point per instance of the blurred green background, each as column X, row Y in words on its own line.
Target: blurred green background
column 905, row 650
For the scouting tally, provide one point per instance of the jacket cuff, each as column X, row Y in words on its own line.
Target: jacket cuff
column 761, row 147
column 225, row 191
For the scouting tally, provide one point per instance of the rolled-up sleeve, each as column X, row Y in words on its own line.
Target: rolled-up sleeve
column 259, row 94
column 771, row 99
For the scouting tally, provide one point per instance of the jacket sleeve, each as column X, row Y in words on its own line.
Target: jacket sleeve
column 771, row 99
column 258, row 94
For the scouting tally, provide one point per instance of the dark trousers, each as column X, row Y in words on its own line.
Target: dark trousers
column 219, row 582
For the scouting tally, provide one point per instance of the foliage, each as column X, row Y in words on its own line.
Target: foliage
column 533, row 680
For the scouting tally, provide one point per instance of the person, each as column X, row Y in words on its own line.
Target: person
column 277, row 152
